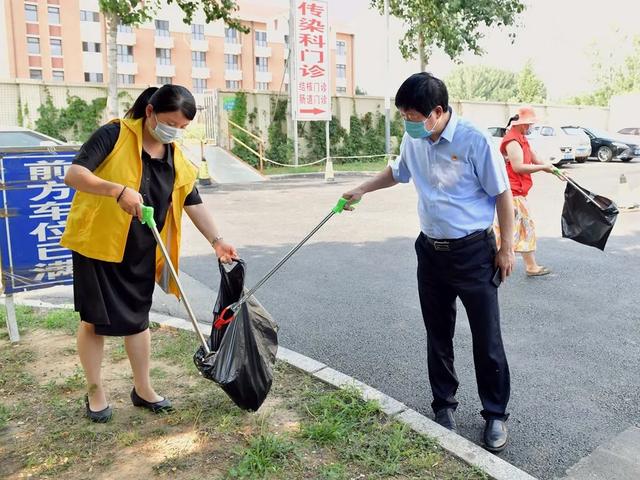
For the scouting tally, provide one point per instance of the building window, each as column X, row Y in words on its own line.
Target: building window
column 262, row 86
column 341, row 47
column 89, row 16
column 231, row 62
column 262, row 64
column 341, row 89
column 341, row 71
column 122, row 28
column 162, row 28
column 197, row 32
column 31, row 12
column 261, row 39
column 33, row 45
column 126, row 79
column 56, row 47
column 35, row 74
column 199, row 85
column 198, row 59
column 163, row 56
column 54, row 15
column 231, row 35
column 232, row 84
column 91, row 47
column 57, row 75
column 125, row 53
column 163, row 80
column 93, row 77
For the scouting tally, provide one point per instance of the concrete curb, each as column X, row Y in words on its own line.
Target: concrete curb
column 458, row 446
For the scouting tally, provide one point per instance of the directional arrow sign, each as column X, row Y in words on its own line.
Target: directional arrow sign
column 312, row 111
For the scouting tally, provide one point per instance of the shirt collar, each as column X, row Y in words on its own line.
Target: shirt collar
column 450, row 129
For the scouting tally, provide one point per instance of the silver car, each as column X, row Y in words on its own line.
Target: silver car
column 24, row 137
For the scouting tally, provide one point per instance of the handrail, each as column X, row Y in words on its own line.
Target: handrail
column 231, row 122
column 261, row 142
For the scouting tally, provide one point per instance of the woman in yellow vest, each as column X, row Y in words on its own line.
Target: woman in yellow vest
column 128, row 163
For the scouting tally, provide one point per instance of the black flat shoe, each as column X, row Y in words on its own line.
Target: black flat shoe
column 103, row 416
column 495, row 435
column 163, row 405
column 446, row 418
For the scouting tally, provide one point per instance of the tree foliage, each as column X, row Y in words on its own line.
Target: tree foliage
column 454, row 26
column 133, row 12
column 484, row 83
column 531, row 88
column 613, row 75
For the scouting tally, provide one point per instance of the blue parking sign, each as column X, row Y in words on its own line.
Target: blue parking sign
column 34, row 204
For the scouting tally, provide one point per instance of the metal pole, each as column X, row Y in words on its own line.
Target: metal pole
column 328, row 171
column 292, row 77
column 261, row 151
column 247, row 295
column 174, row 274
column 387, row 101
column 12, row 323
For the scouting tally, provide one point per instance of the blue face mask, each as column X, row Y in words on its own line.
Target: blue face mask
column 417, row 129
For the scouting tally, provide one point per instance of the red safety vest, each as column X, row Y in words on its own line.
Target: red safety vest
column 520, row 182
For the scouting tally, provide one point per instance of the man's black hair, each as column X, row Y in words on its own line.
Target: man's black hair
column 422, row 92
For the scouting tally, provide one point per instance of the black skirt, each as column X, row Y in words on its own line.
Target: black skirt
column 116, row 297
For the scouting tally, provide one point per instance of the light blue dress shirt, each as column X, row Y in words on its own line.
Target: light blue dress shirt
column 457, row 178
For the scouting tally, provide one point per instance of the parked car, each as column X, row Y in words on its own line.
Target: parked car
column 581, row 143
column 23, row 137
column 551, row 148
column 630, row 131
column 607, row 146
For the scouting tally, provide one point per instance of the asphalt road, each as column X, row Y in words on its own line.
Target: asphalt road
column 349, row 299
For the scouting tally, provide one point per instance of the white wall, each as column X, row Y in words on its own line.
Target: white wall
column 625, row 111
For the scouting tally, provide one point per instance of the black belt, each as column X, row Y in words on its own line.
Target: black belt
column 444, row 245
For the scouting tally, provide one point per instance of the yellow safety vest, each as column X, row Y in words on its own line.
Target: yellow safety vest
column 98, row 228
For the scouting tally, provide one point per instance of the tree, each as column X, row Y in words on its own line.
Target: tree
column 613, row 75
column 478, row 82
column 134, row 12
column 531, row 89
column 450, row 25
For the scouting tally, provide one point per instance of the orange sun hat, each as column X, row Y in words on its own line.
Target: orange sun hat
column 526, row 116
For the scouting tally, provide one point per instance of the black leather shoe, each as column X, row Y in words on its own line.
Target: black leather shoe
column 495, row 435
column 163, row 405
column 445, row 418
column 103, row 416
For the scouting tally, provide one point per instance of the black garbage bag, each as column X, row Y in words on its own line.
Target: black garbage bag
column 243, row 353
column 586, row 217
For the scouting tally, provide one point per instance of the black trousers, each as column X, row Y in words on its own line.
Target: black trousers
column 463, row 272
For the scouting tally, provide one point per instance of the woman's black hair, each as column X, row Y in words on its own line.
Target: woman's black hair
column 168, row 98
column 512, row 119
column 422, row 92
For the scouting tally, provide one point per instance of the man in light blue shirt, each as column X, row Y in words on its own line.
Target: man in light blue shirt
column 461, row 181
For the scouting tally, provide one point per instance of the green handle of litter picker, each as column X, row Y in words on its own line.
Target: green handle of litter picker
column 341, row 204
column 147, row 216
column 556, row 171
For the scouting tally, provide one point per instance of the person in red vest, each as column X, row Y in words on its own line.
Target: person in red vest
column 521, row 162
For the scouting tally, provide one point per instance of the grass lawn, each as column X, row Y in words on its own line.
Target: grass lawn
column 369, row 166
column 305, row 429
